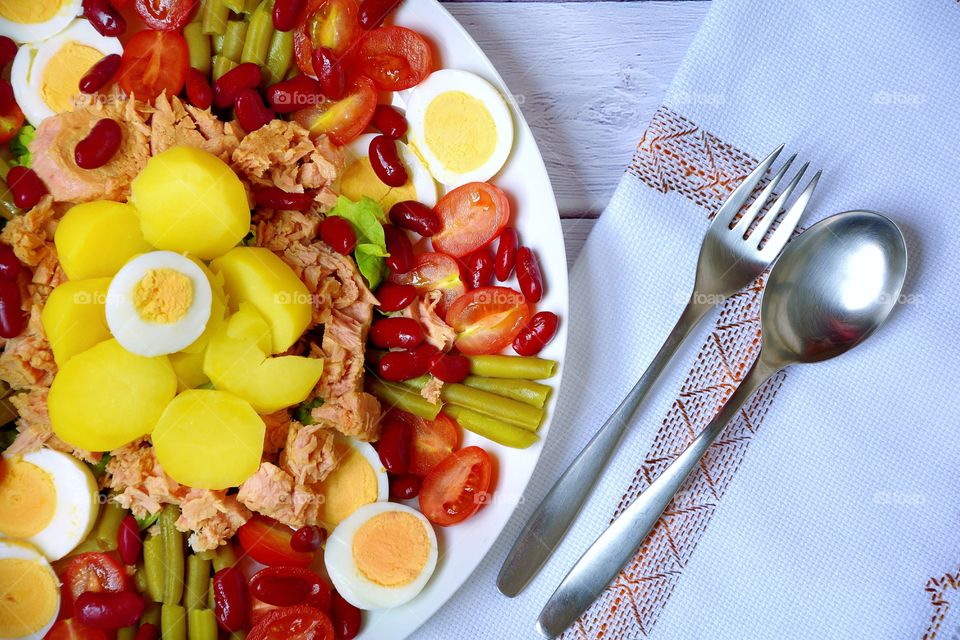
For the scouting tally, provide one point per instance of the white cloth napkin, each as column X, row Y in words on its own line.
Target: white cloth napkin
column 831, row 509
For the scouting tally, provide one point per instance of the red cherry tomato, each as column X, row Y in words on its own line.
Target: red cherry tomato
column 268, row 542
column 199, row 91
column 100, row 145
column 471, row 217
column 434, row 271
column 528, row 275
column 330, row 73
column 396, row 439
column 293, row 623
column 479, row 267
column 129, row 540
column 166, row 15
column 154, row 62
column 506, row 253
column 374, row 12
column 11, row 119
column 11, row 313
column 327, row 23
column 94, row 571
column 397, row 366
column 416, row 217
column 451, row 367
column 108, row 610
column 394, row 297
column 345, row 119
column 395, row 58
column 339, row 234
column 230, row 599
column 386, row 163
column 286, row 13
column 346, row 618
column 73, row 629
column 308, row 538
column 100, row 74
column 298, row 92
column 457, row 487
column 433, row 440
column 405, row 487
column 487, row 320
column 536, row 334
column 289, row 586
column 10, row 265
column 251, row 112
column 8, row 51
column 26, row 186
column 396, row 333
column 104, row 18
column 389, row 121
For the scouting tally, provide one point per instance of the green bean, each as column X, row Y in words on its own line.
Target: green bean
column 491, row 428
column 88, row 545
column 512, row 367
column 151, row 614
column 153, row 566
column 215, row 14
column 233, row 39
column 221, row 64
column 199, row 45
column 209, row 554
column 8, row 209
column 211, row 597
column 279, row 57
column 259, row 34
column 140, row 579
column 402, row 399
column 127, row 633
column 198, row 580
column 527, row 391
column 173, row 622
column 4, row 168
column 504, row 409
column 249, row 6
column 201, row 625
column 216, row 44
column 226, row 557
column 235, row 5
column 238, row 635
column 108, row 527
column 198, row 14
column 172, row 555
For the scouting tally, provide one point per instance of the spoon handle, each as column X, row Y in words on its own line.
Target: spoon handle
column 619, row 543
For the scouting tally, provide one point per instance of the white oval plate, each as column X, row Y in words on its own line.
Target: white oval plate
column 535, row 216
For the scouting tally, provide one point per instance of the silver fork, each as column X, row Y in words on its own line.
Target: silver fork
column 731, row 257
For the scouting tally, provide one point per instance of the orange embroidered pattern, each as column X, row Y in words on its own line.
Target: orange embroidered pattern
column 938, row 588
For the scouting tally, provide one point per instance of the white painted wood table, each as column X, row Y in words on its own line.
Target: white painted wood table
column 587, row 76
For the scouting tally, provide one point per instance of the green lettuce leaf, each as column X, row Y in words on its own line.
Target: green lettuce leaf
column 367, row 219
column 20, row 146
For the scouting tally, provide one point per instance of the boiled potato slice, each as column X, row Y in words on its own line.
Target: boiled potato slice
column 191, row 201
column 95, row 239
column 73, row 317
column 106, row 396
column 189, row 369
column 209, row 439
column 236, row 360
column 256, row 275
column 218, row 310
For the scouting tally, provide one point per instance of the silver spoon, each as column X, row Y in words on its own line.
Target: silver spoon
column 834, row 285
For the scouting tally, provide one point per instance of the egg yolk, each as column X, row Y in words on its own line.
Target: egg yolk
column 360, row 180
column 29, row 12
column 460, row 131
column 163, row 295
column 28, row 597
column 350, row 486
column 28, row 499
column 63, row 72
column 391, row 548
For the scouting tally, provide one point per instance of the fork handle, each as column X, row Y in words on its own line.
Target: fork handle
column 557, row 510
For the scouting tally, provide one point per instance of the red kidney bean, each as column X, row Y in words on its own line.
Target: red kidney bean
column 451, row 367
column 329, row 72
column 396, row 333
column 308, row 538
column 129, row 542
column 428, row 355
column 100, row 74
column 374, row 12
column 104, row 610
column 100, row 145
column 104, row 18
column 26, row 186
column 394, row 297
column 8, row 51
column 386, row 163
column 230, row 84
column 199, row 91
column 389, row 121
column 276, row 198
column 11, row 315
column 416, row 217
column 479, row 266
column 397, row 366
column 230, row 599
column 346, row 618
column 536, row 334
column 339, row 234
column 10, row 265
column 396, row 438
column 147, row 631
column 506, row 253
column 400, row 259
column 528, row 275
column 251, row 112
column 286, row 13
column 405, row 486
column 299, row 92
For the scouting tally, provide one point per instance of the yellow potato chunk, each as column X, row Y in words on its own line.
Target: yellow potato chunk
column 74, row 318
column 256, row 275
column 106, row 396
column 189, row 369
column 236, row 360
column 218, row 311
column 209, row 439
column 190, row 201
column 95, row 239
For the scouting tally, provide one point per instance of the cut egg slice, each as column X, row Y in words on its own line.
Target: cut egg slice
column 158, row 303
column 461, row 126
column 359, row 179
column 46, row 75
column 358, row 479
column 381, row 556
column 33, row 20
column 29, row 592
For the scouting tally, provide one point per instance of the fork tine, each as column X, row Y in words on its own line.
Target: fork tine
column 782, row 235
column 739, row 196
column 756, row 208
column 777, row 206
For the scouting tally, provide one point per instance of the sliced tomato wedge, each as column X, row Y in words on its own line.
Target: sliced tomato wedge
column 325, row 23
column 457, row 487
column 154, row 62
column 268, row 542
column 395, row 58
column 433, row 440
column 472, row 215
column 488, row 319
column 93, row 571
column 293, row 623
column 166, row 15
column 72, row 629
column 432, row 272
column 11, row 121
column 344, row 119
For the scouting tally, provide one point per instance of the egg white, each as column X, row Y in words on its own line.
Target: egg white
column 370, row 454
column 16, row 550
column 31, row 32
column 347, row 578
column 26, row 74
column 154, row 338
column 418, row 174
column 453, row 80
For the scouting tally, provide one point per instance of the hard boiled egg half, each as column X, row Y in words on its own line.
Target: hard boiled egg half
column 359, row 479
column 158, row 303
column 461, row 126
column 381, row 556
column 46, row 75
column 47, row 498
column 359, row 179
column 29, row 592
column 32, row 20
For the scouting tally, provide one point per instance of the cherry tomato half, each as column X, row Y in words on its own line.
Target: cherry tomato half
column 93, row 571
column 73, row 629
column 344, row 119
column 434, row 271
column 325, row 23
column 487, row 320
column 432, row 440
column 268, row 542
column 11, row 119
column 395, row 58
column 457, row 487
column 166, row 15
column 471, row 216
column 154, row 62
column 293, row 623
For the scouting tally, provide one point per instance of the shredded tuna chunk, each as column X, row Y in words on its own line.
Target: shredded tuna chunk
column 27, row 361
column 31, row 238
column 355, row 414
column 142, row 485
column 435, row 330
column 432, row 390
column 278, row 426
column 343, row 349
column 212, row 517
column 277, row 230
column 173, row 123
column 273, row 492
column 35, row 430
column 309, row 456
